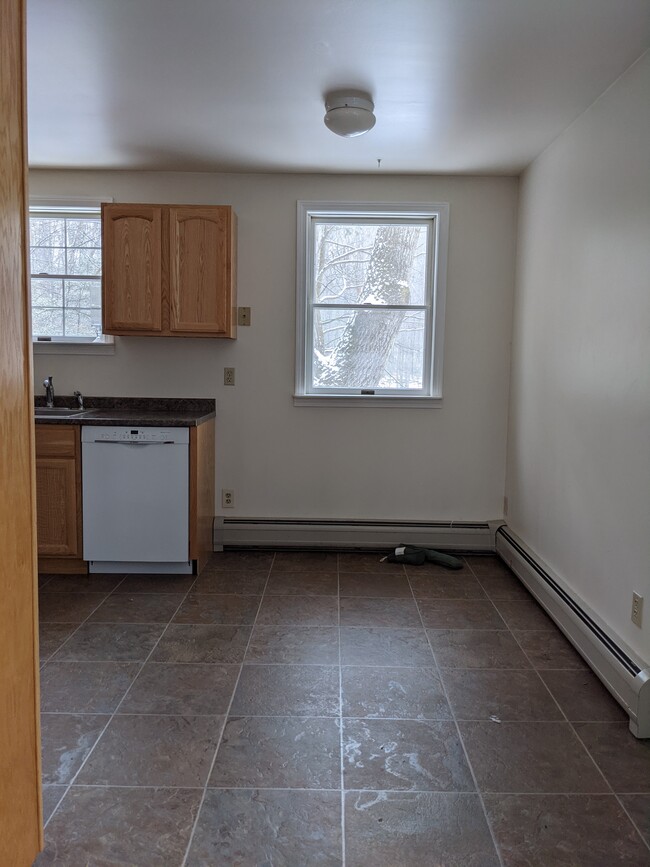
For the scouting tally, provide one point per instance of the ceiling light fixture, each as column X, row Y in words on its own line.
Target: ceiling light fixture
column 349, row 113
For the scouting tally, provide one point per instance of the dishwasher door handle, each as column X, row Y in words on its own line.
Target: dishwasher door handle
column 129, row 443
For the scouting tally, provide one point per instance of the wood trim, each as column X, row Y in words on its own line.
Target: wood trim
column 62, row 566
column 202, row 461
column 20, row 782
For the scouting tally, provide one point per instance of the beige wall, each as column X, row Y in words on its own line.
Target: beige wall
column 579, row 435
column 281, row 460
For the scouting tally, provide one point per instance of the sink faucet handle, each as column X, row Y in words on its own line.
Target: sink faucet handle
column 48, row 384
column 80, row 399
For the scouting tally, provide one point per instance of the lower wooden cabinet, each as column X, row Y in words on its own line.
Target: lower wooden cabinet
column 58, row 498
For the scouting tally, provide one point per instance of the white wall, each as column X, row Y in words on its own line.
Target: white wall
column 286, row 461
column 578, row 477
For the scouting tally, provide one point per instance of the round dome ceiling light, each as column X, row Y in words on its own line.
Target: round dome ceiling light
column 349, row 113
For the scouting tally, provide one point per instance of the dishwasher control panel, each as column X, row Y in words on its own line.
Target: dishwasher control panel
column 123, row 434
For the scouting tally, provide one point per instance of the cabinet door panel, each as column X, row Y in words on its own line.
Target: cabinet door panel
column 200, row 263
column 132, row 268
column 57, row 507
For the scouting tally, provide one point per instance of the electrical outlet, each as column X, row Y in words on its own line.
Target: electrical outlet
column 637, row 609
column 227, row 498
column 243, row 316
column 229, row 376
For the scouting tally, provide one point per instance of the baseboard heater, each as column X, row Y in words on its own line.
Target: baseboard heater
column 352, row 534
column 624, row 674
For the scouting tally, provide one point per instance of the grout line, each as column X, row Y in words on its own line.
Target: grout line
column 462, row 743
column 225, row 720
column 182, row 598
column 341, row 736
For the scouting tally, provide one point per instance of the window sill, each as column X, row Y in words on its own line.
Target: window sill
column 367, row 400
column 59, row 347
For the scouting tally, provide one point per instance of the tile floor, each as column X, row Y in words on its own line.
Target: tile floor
column 297, row 709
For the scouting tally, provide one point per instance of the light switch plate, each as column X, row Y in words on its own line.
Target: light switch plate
column 243, row 316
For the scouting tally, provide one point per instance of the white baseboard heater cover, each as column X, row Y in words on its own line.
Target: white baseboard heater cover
column 624, row 674
column 359, row 534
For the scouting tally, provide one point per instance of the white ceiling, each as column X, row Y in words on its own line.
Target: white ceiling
column 238, row 85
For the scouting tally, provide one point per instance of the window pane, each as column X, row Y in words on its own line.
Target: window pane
column 83, row 293
column 82, row 323
column 47, row 293
column 47, row 232
column 83, row 233
column 359, row 263
column 357, row 349
column 48, row 260
column 84, row 261
column 47, row 322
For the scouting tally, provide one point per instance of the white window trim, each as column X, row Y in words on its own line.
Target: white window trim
column 307, row 210
column 67, row 345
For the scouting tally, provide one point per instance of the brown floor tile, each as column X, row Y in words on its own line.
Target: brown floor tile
column 245, row 561
column 530, row 757
column 623, row 759
column 138, row 827
column 436, row 570
column 476, row 648
column 240, row 583
column 582, row 696
column 88, row 583
column 303, row 584
column 459, row 614
column 507, row 695
column 67, row 607
column 181, row 688
column 564, row 831
column 399, row 693
column 384, row 646
column 268, row 827
column 115, row 642
column 386, row 829
column 157, row 583
column 454, row 586
column 505, row 586
column 547, row 650
column 51, row 636
column 638, row 806
column 137, row 608
column 51, row 797
column 287, row 690
column 369, row 562
column 172, row 751
column 85, row 687
column 294, row 644
column 299, row 611
column 379, row 612
column 279, row 752
column 524, row 614
column 305, row 561
column 404, row 755
column 487, row 566
column 44, row 578
column 193, row 642
column 378, row 584
column 214, row 608
column 66, row 740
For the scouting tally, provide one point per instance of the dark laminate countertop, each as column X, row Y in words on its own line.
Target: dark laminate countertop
column 129, row 411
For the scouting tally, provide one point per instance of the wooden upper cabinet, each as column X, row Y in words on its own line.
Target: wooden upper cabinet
column 188, row 252
column 132, row 272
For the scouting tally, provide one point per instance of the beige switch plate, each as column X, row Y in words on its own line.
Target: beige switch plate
column 243, row 316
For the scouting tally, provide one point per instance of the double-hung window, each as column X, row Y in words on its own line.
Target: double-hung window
column 66, row 269
column 370, row 303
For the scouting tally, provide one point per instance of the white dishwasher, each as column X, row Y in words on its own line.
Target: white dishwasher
column 135, row 499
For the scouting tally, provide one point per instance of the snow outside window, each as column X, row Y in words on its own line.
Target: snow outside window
column 371, row 289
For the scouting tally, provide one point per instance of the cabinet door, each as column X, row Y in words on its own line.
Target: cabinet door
column 131, row 285
column 57, row 507
column 201, row 271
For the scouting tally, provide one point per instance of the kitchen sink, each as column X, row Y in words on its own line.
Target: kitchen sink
column 61, row 411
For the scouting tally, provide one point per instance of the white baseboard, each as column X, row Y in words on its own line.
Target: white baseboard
column 622, row 671
column 291, row 533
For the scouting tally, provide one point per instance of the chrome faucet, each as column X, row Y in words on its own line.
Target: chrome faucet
column 49, row 391
column 80, row 399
